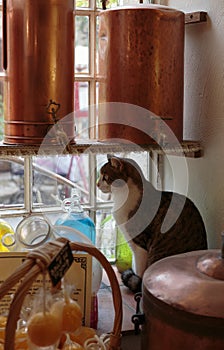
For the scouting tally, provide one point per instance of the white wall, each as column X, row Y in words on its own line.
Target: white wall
column 204, row 111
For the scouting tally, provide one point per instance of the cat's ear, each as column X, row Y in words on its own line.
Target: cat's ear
column 115, row 162
column 109, row 156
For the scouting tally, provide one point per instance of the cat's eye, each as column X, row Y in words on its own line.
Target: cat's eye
column 105, row 177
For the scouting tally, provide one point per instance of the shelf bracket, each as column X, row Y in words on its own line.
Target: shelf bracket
column 195, row 17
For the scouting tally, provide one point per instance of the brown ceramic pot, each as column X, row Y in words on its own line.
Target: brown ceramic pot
column 141, row 62
column 38, row 44
column 183, row 302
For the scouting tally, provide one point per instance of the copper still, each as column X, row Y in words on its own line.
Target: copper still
column 183, row 302
column 38, row 58
column 141, row 63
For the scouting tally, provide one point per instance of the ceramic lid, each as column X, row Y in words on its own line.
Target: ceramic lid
column 193, row 282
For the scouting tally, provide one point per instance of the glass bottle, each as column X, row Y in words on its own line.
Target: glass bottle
column 8, row 242
column 76, row 217
column 123, row 253
column 5, row 228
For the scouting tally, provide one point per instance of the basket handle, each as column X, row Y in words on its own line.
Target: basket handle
column 35, row 263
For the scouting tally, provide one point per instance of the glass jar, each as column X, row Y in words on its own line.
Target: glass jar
column 31, row 232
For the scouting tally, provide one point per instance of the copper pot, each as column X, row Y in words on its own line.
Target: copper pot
column 183, row 302
column 38, row 57
column 141, row 62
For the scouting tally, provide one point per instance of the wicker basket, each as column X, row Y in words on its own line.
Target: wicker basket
column 37, row 262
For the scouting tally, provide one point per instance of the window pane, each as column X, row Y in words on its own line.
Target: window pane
column 101, row 197
column 82, row 44
column 1, row 48
column 109, row 4
column 82, row 109
column 106, row 234
column 11, row 183
column 55, row 176
column 1, row 114
column 82, row 3
column 97, row 44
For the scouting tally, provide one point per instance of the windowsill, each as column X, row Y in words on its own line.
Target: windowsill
column 105, row 306
column 187, row 148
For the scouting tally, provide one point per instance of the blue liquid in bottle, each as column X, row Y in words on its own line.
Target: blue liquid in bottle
column 75, row 217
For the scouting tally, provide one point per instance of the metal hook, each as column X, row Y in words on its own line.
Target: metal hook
column 52, row 110
column 138, row 318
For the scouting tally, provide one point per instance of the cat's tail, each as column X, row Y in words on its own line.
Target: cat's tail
column 132, row 281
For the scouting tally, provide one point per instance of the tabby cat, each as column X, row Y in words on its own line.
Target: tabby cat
column 155, row 223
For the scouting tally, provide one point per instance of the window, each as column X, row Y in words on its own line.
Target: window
column 39, row 184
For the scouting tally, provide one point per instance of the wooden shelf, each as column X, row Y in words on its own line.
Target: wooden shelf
column 186, row 148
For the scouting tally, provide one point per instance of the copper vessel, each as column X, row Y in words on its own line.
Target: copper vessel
column 183, row 302
column 141, row 63
column 38, row 57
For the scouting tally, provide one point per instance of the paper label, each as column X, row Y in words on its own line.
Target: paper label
column 60, row 264
column 79, row 275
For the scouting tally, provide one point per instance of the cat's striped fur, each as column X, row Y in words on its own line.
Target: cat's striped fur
column 156, row 223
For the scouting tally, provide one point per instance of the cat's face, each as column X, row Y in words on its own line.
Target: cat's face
column 112, row 175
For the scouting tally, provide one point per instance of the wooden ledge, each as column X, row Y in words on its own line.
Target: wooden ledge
column 185, row 148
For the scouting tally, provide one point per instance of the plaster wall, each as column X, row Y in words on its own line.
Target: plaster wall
column 203, row 114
